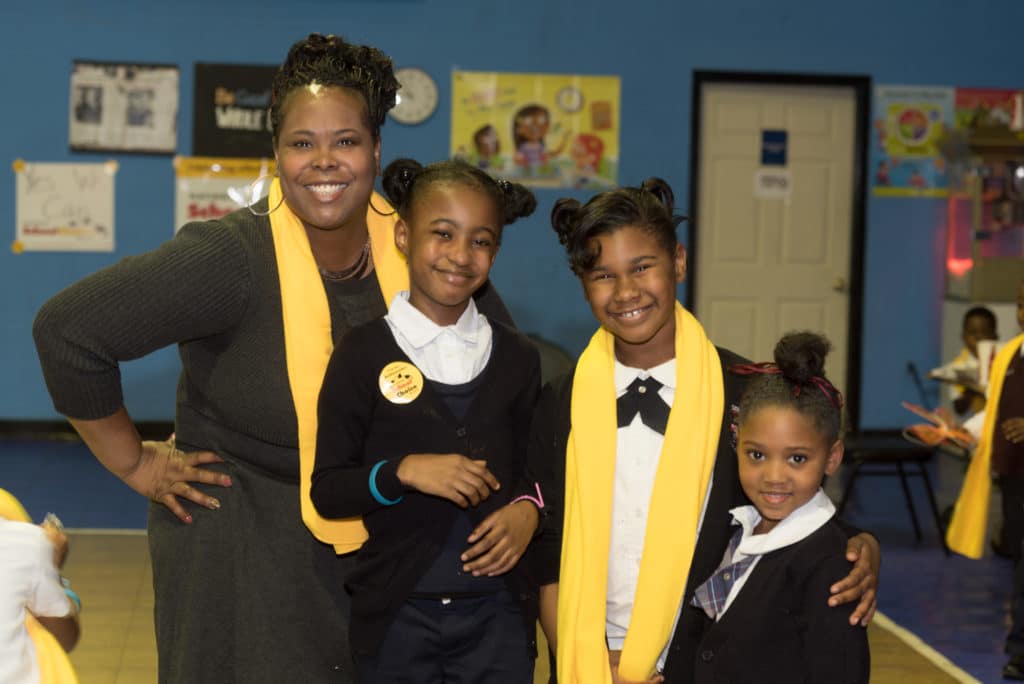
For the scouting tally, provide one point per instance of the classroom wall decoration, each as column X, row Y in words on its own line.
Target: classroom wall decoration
column 909, row 121
column 123, row 107
column 64, row 207
column 543, row 130
column 211, row 187
column 230, row 116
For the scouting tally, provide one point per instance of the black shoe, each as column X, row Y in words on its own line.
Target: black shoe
column 1003, row 552
column 1014, row 669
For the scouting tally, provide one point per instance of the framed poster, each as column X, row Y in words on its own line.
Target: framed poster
column 231, row 110
column 123, row 107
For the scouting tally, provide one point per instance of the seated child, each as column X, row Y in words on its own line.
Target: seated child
column 979, row 324
column 423, row 424
column 767, row 620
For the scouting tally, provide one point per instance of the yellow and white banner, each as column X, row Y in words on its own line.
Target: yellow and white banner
column 210, row 187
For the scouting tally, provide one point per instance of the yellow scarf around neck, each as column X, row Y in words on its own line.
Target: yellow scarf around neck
column 966, row 534
column 308, row 342
column 684, row 470
column 52, row 659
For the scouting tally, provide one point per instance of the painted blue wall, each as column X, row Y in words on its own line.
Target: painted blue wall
column 653, row 46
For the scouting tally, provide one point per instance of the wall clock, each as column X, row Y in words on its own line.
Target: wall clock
column 417, row 96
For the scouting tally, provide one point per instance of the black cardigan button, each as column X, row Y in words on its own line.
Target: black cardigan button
column 707, row 656
column 461, row 432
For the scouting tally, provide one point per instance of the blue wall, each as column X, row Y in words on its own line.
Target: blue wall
column 653, row 46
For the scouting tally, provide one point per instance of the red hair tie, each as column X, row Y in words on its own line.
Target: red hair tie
column 769, row 368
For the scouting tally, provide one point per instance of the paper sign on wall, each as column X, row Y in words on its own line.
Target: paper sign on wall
column 64, row 207
column 773, row 183
column 211, row 187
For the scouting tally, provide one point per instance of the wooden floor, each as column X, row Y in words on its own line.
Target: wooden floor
column 111, row 572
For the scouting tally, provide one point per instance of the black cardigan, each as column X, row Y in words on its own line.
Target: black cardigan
column 358, row 428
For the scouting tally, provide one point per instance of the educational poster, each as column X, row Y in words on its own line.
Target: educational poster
column 64, row 207
column 210, row 187
column 909, row 121
column 123, row 108
column 984, row 107
column 230, row 112
column 543, row 130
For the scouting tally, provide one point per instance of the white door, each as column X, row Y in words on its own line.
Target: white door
column 767, row 265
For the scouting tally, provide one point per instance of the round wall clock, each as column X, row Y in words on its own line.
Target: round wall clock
column 417, row 96
column 570, row 99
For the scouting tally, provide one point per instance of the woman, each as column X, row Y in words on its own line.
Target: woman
column 254, row 302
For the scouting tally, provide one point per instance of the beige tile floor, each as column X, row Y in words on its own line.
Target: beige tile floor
column 112, row 574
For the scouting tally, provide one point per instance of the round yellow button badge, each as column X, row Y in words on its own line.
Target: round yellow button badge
column 400, row 382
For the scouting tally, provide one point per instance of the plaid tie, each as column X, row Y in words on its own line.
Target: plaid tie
column 710, row 596
column 642, row 397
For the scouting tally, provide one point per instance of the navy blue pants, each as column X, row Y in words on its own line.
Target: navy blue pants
column 480, row 640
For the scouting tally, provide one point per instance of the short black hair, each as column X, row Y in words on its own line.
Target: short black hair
column 330, row 61
column 980, row 312
column 405, row 179
column 798, row 381
column 649, row 207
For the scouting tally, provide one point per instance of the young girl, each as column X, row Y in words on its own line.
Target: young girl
column 766, row 618
column 422, row 421
column 650, row 470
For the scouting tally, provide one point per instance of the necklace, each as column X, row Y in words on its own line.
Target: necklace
column 356, row 269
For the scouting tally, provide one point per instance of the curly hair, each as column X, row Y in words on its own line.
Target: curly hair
column 330, row 61
column 649, row 207
column 797, row 380
column 406, row 179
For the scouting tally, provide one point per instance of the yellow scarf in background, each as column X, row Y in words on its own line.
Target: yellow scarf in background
column 966, row 534
column 684, row 470
column 54, row 664
column 307, row 337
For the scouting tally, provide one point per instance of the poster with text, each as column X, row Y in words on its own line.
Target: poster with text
column 211, row 187
column 230, row 115
column 909, row 121
column 64, row 207
column 123, row 108
column 543, row 130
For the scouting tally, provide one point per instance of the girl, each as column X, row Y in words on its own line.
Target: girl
column 649, row 466
column 766, row 618
column 422, row 419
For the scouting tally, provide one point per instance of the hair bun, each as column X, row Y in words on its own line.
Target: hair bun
column 662, row 190
column 564, row 217
column 519, row 202
column 801, row 356
column 398, row 178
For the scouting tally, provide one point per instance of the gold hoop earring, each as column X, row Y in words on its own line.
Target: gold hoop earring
column 381, row 213
column 256, row 189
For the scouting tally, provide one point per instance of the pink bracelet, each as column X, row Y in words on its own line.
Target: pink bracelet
column 537, row 501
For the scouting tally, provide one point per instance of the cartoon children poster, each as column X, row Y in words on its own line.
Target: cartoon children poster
column 543, row 130
column 909, row 121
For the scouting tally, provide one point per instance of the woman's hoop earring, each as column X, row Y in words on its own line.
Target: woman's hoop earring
column 254, row 191
column 381, row 213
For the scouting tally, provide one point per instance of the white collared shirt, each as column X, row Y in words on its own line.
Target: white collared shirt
column 797, row 526
column 637, row 454
column 451, row 354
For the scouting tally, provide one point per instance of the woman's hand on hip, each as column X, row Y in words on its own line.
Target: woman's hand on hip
column 163, row 474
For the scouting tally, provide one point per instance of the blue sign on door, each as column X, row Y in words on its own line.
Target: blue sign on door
column 773, row 148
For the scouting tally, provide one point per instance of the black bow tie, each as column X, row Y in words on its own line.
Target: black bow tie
column 642, row 397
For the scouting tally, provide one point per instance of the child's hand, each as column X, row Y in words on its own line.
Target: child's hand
column 1013, row 430
column 449, row 476
column 862, row 582
column 500, row 540
column 613, row 660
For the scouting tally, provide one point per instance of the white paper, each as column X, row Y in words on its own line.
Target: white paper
column 65, row 207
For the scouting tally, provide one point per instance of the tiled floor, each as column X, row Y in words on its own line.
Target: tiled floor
column 957, row 606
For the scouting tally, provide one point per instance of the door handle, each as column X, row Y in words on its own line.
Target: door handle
column 840, row 284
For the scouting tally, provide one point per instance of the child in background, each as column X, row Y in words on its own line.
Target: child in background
column 423, row 421
column 767, row 620
column 979, row 324
column 642, row 430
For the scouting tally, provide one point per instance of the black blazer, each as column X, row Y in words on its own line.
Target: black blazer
column 780, row 628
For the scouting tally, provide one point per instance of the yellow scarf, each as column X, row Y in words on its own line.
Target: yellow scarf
column 966, row 534
column 685, row 467
column 54, row 665
column 307, row 337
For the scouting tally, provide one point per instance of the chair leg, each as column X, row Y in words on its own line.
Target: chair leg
column 910, row 500
column 848, row 489
column 935, row 508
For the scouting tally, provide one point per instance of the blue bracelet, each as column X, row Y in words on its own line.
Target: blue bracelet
column 381, row 499
column 71, row 594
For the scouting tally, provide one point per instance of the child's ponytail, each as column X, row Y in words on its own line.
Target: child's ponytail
column 661, row 190
column 564, row 217
column 397, row 181
column 517, row 200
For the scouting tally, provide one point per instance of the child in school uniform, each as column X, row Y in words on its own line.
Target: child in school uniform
column 642, row 435
column 423, row 418
column 766, row 615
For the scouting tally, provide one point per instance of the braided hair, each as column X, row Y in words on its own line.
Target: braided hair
column 649, row 207
column 405, row 179
column 330, row 61
column 796, row 380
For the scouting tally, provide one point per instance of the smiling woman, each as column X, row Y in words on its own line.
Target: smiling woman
column 254, row 301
